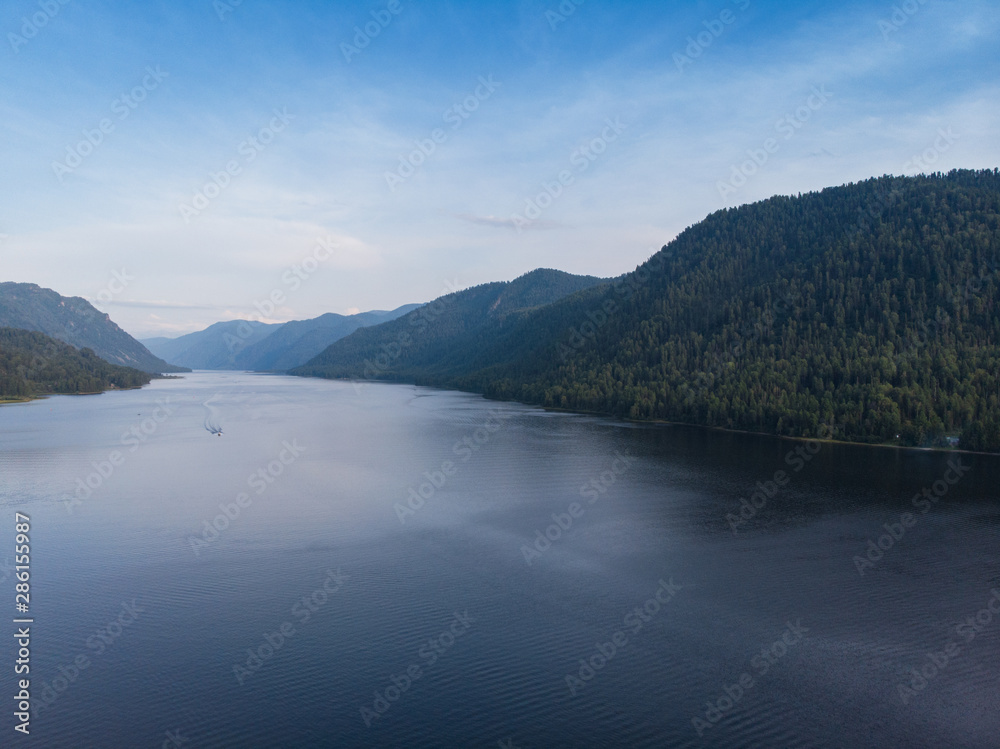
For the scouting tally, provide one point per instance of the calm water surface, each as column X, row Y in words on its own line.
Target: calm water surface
column 513, row 604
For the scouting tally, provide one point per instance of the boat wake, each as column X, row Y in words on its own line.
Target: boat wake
column 212, row 423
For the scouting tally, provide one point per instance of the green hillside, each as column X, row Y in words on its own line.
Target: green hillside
column 75, row 321
column 872, row 306
column 34, row 364
column 440, row 338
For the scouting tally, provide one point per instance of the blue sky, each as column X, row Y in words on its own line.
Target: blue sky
column 462, row 143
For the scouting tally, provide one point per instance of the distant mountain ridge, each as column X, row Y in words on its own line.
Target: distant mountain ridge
column 215, row 347
column 75, row 321
column 296, row 342
column 264, row 347
column 436, row 339
column 873, row 307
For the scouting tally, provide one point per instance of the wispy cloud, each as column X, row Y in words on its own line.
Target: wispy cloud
column 498, row 222
column 324, row 175
column 137, row 304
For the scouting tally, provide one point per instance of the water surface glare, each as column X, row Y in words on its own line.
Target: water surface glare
column 391, row 566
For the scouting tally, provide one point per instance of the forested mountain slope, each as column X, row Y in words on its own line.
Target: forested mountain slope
column 75, row 321
column 441, row 338
column 34, row 364
column 871, row 306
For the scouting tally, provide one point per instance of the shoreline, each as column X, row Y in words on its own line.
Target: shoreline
column 665, row 422
column 5, row 401
column 824, row 440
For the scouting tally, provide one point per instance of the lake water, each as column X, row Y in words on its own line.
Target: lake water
column 375, row 617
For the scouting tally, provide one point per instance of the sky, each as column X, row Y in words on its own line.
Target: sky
column 185, row 162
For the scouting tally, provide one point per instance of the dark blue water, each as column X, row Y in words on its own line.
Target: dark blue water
column 376, row 618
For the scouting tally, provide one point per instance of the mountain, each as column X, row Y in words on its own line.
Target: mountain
column 74, row 321
column 296, row 342
column 34, row 364
column 264, row 347
column 441, row 338
column 873, row 307
column 215, row 347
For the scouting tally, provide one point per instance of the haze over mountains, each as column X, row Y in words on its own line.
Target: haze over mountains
column 264, row 347
column 214, row 347
column 873, row 308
